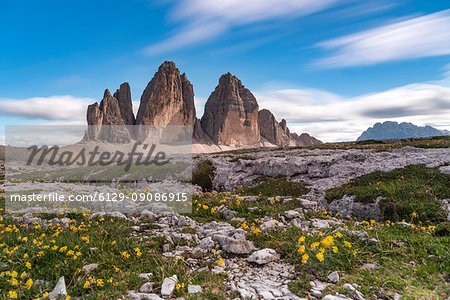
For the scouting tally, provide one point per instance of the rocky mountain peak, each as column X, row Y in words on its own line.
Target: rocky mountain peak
column 231, row 114
column 271, row 130
column 168, row 99
column 394, row 130
column 107, row 113
column 106, row 94
column 168, row 67
column 123, row 96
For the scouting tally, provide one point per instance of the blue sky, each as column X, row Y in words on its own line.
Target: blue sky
column 331, row 68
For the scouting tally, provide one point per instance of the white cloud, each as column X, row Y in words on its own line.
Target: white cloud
column 199, row 106
column 414, row 38
column 205, row 19
column 47, row 108
column 331, row 117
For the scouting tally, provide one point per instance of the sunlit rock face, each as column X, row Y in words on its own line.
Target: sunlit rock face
column 231, row 114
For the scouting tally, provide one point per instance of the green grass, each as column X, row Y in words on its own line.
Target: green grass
column 416, row 269
column 204, row 207
column 377, row 145
column 53, row 263
column 2, row 191
column 387, row 145
column 413, row 189
column 412, row 261
column 272, row 187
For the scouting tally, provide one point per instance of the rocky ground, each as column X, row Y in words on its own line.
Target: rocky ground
column 278, row 240
column 319, row 169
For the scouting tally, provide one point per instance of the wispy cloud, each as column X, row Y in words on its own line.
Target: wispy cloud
column 47, row 108
column 331, row 117
column 201, row 20
column 414, row 38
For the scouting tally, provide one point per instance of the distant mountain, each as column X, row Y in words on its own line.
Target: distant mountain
column 394, row 130
column 2, row 152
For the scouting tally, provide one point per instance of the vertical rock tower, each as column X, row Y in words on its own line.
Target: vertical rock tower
column 231, row 114
column 168, row 99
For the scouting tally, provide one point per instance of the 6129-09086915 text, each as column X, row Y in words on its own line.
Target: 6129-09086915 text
column 101, row 197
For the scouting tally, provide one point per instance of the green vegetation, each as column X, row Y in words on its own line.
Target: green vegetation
column 410, row 261
column 377, row 145
column 272, row 187
column 2, row 191
column 203, row 175
column 205, row 207
column 33, row 252
column 387, row 145
column 413, row 189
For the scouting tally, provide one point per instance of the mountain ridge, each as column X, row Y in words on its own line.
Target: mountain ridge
column 394, row 130
column 231, row 119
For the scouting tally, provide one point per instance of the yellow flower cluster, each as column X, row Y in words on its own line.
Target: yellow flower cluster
column 138, row 252
column 319, row 248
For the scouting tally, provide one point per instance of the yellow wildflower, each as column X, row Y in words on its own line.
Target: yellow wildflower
column 314, row 245
column 327, row 242
column 29, row 283
column 320, row 256
column 338, row 234
column 305, row 258
column 301, row 250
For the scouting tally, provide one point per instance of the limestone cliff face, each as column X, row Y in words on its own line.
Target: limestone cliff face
column 231, row 117
column 271, row 130
column 107, row 113
column 123, row 96
column 305, row 139
column 231, row 114
column 279, row 134
column 168, row 99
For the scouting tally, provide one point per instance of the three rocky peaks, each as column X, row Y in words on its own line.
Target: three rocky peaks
column 231, row 118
